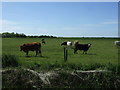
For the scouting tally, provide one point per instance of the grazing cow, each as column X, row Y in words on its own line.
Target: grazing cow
column 64, row 43
column 117, row 43
column 43, row 41
column 67, row 43
column 83, row 47
column 35, row 46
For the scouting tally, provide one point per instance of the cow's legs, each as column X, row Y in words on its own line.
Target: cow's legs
column 36, row 53
column 40, row 52
column 26, row 53
column 84, row 52
column 75, row 51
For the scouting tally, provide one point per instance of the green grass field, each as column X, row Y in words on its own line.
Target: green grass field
column 103, row 51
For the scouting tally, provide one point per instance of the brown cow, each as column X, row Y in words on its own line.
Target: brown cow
column 35, row 46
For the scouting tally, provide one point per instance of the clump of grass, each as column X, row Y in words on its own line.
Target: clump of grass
column 20, row 78
column 85, row 66
column 9, row 60
column 34, row 66
column 71, row 66
column 67, row 66
column 112, row 67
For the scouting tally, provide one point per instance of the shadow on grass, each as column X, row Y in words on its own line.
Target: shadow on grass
column 35, row 56
column 44, row 56
column 91, row 54
column 87, row 54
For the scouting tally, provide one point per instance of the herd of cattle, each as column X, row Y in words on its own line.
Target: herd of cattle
column 36, row 46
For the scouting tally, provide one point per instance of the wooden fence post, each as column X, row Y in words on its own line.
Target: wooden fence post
column 65, row 54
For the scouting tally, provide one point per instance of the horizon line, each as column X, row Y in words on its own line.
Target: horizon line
column 65, row 36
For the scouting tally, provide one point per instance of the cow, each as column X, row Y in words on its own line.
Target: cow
column 43, row 41
column 34, row 46
column 82, row 47
column 67, row 43
column 117, row 43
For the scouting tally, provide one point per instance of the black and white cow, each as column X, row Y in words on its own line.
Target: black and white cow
column 81, row 47
column 67, row 43
column 117, row 43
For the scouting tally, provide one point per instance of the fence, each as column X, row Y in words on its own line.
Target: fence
column 65, row 54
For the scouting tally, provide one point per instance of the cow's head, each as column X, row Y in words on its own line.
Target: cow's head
column 76, row 43
column 89, row 45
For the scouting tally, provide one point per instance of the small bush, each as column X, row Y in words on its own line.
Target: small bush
column 9, row 60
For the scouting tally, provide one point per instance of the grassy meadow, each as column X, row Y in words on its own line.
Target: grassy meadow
column 102, row 52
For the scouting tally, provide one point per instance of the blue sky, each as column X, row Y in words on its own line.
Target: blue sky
column 68, row 19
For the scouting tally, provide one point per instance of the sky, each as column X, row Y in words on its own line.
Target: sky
column 62, row 19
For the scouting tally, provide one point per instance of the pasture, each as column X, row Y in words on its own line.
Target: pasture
column 103, row 51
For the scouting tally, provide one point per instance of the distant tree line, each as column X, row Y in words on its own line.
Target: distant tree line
column 22, row 35
column 12, row 35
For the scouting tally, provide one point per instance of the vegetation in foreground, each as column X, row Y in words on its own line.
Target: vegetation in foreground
column 57, row 75
column 21, row 78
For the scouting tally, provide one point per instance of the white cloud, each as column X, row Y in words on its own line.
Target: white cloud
column 110, row 22
column 100, row 24
column 8, row 22
column 10, row 26
column 91, row 25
